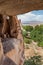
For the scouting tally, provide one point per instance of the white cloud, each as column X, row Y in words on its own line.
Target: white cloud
column 30, row 17
column 39, row 17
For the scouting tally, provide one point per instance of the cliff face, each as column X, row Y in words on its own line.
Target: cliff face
column 14, row 7
column 12, row 52
column 11, row 47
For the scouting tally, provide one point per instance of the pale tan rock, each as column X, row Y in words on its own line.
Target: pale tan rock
column 1, row 52
column 13, row 52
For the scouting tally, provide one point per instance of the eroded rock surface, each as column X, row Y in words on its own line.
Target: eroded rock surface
column 12, row 52
column 14, row 7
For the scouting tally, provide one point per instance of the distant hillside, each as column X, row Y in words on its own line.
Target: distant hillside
column 32, row 23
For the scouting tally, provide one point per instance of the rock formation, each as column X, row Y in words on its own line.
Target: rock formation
column 14, row 7
column 11, row 44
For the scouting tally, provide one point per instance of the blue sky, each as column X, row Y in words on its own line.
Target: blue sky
column 32, row 16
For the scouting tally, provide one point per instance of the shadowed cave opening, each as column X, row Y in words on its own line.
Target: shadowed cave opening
column 8, row 26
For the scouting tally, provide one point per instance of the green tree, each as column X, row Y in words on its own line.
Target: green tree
column 28, row 28
column 35, row 60
column 37, row 27
column 26, row 40
column 37, row 33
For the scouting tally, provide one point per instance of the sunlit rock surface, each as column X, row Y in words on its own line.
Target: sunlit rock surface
column 12, row 52
column 1, row 52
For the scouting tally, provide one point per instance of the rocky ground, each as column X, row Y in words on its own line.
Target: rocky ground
column 33, row 50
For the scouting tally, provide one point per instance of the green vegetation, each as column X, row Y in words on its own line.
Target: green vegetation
column 40, row 44
column 28, row 28
column 37, row 35
column 26, row 40
column 24, row 33
column 35, row 60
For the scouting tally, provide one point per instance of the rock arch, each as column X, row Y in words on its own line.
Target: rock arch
column 14, row 7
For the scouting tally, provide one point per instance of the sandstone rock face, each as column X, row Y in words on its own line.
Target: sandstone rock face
column 14, row 7
column 1, row 52
column 12, row 52
column 11, row 47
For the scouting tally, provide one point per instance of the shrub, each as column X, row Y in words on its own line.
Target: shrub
column 37, row 34
column 35, row 60
column 28, row 28
column 40, row 44
column 24, row 33
column 26, row 40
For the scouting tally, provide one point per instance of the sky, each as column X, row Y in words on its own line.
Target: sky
column 32, row 16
